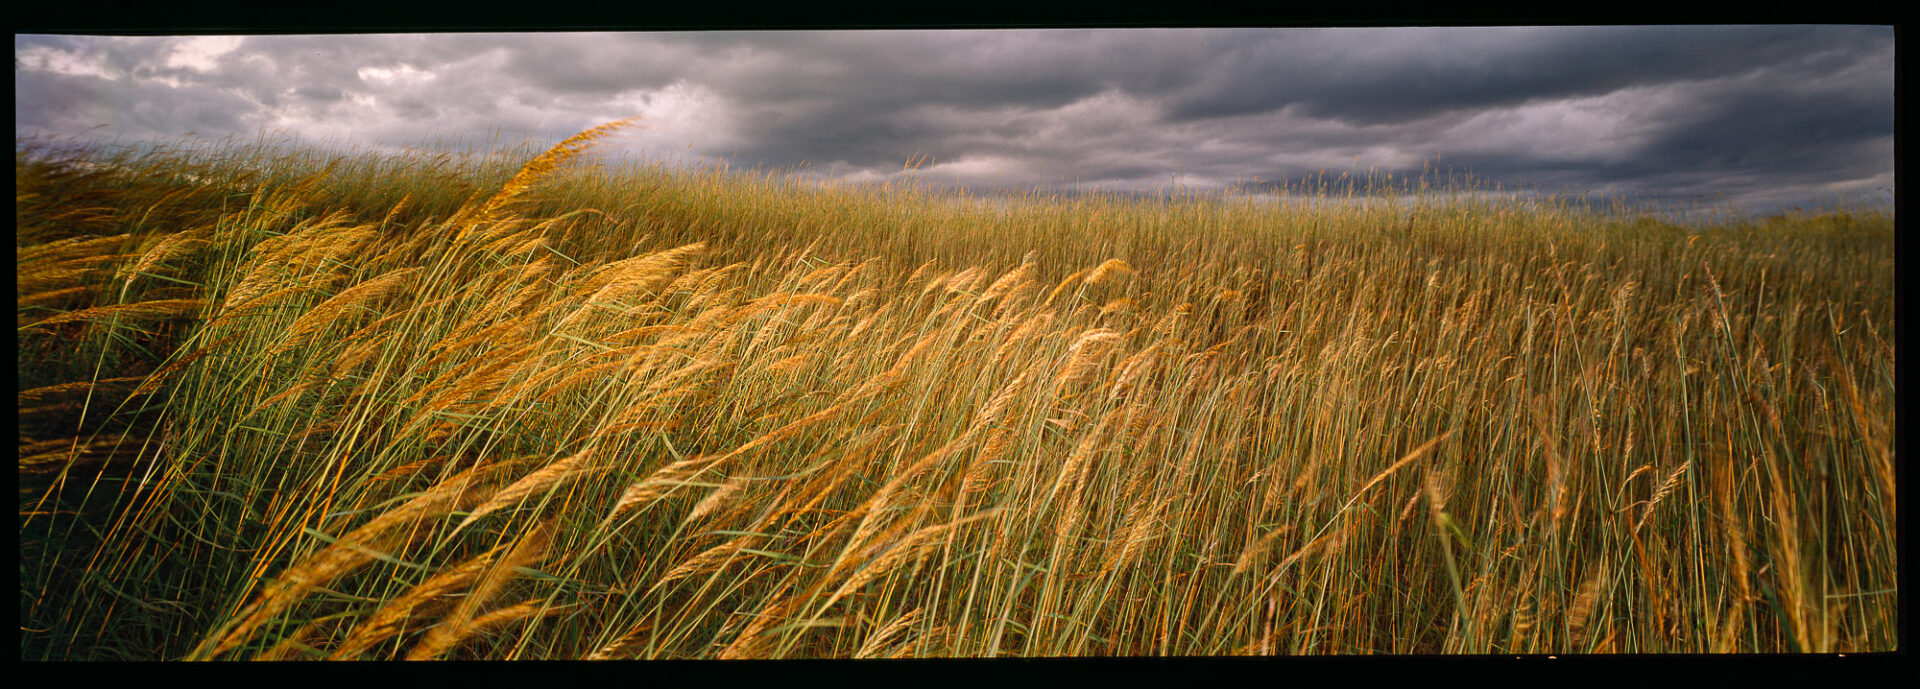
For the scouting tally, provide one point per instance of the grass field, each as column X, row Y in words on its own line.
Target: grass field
column 286, row 403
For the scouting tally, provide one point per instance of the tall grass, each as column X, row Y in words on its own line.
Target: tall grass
column 287, row 403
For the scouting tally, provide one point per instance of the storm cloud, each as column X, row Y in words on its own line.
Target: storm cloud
column 1760, row 116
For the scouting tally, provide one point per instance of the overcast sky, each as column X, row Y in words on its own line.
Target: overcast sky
column 1759, row 116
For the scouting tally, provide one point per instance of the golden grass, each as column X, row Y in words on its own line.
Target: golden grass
column 356, row 548
column 393, row 617
column 465, row 620
column 749, row 420
column 160, row 308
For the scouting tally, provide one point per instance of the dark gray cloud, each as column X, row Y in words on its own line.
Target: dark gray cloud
column 1396, row 75
column 1758, row 115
